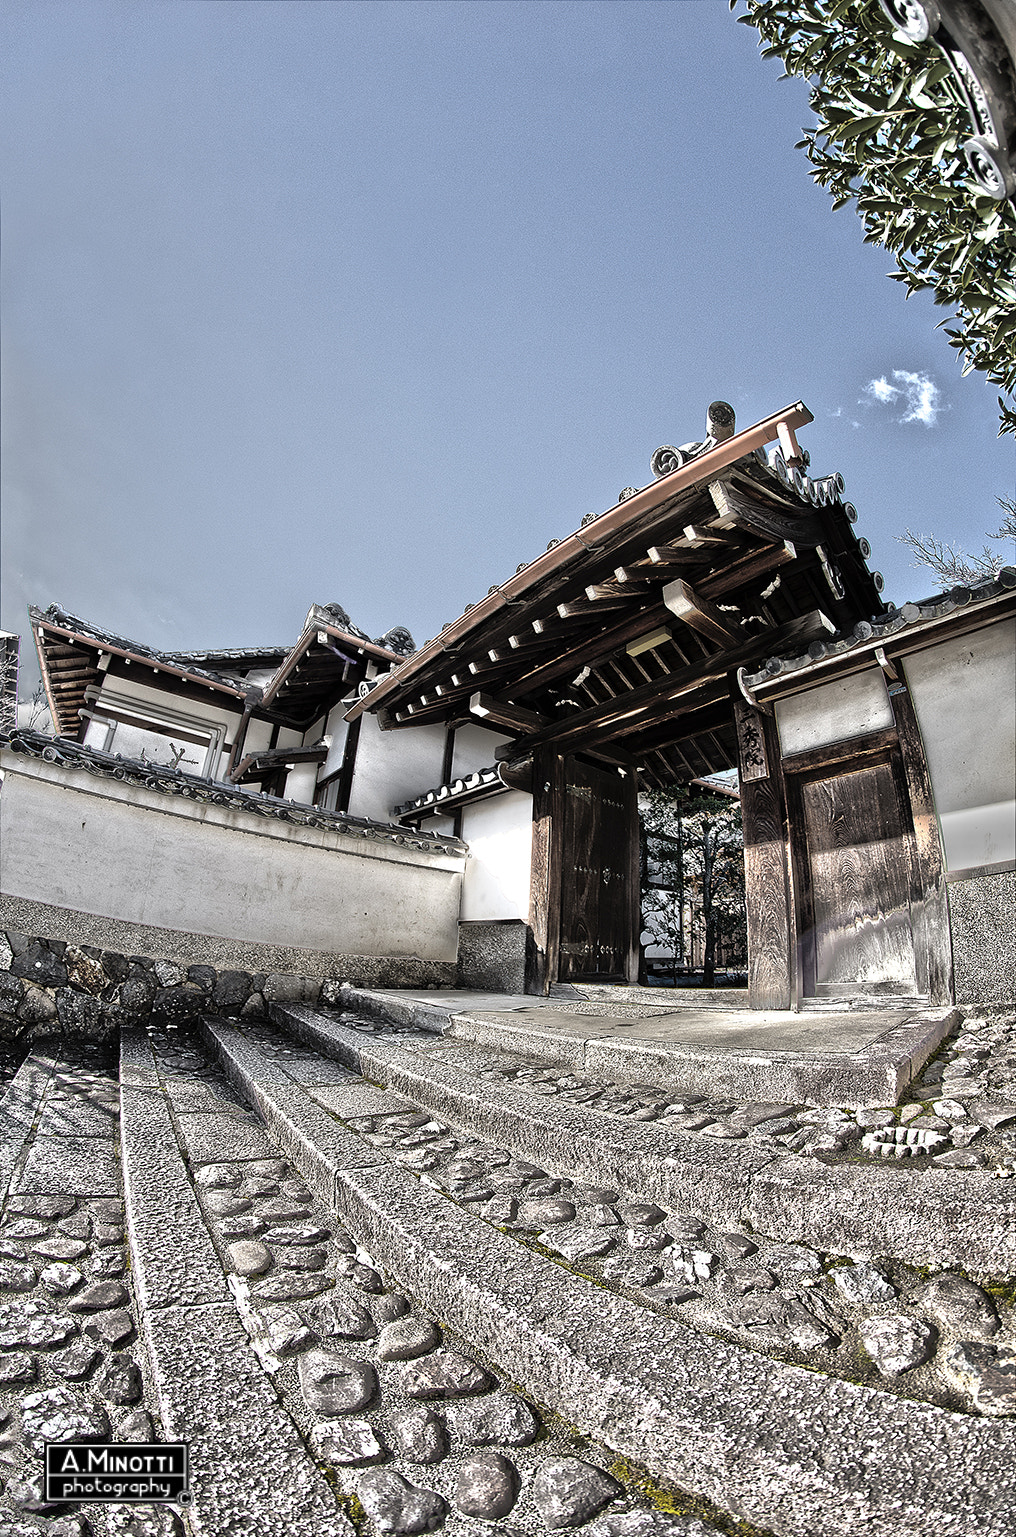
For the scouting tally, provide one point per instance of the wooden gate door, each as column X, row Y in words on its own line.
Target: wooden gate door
column 854, row 877
column 599, row 875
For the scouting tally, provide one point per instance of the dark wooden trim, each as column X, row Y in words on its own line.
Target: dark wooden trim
column 768, row 896
column 544, row 935
column 635, row 958
column 345, row 789
column 240, row 735
column 929, row 904
column 832, row 754
column 978, row 872
column 449, row 756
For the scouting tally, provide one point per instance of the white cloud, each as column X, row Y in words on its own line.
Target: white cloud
column 918, row 394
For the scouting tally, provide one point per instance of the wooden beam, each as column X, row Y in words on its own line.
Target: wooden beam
column 755, row 517
column 751, row 566
column 586, row 608
column 697, row 534
column 699, row 614
column 767, row 888
column 674, row 557
column 500, row 712
column 590, row 650
column 603, row 721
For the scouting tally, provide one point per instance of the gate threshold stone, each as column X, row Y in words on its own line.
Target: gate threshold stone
column 932, row 1217
column 846, row 1058
column 774, row 1444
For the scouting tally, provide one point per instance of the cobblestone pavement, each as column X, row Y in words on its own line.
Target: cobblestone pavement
column 959, row 1114
column 887, row 1323
column 413, row 1429
column 71, row 1362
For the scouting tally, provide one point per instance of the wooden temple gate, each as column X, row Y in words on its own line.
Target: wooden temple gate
column 616, row 660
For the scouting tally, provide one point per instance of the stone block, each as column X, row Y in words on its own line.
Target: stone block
column 37, row 1006
column 79, row 1013
column 204, row 976
column 492, row 956
column 84, row 971
column 283, row 988
column 178, row 1005
column 38, row 964
column 231, row 990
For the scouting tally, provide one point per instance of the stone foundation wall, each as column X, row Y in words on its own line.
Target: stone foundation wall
column 492, row 955
column 53, row 987
column 982, row 914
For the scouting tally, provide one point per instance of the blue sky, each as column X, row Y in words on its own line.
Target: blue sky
column 366, row 302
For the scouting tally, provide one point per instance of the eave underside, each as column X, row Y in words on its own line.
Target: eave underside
column 629, row 653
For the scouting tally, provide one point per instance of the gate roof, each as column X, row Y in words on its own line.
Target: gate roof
column 622, row 640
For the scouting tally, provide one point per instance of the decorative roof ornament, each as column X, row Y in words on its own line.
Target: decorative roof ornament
column 334, row 613
column 974, row 50
column 397, row 639
column 720, row 424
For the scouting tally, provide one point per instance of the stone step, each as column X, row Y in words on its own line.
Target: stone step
column 411, row 1426
column 785, row 1448
column 933, row 1217
column 824, row 1056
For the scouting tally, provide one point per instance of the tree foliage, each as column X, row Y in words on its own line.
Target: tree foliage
column 891, row 122
column 701, row 868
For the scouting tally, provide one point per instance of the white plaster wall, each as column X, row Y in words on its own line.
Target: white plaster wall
column 834, row 711
column 964, row 693
column 98, row 846
column 394, row 766
column 301, row 782
column 168, row 708
column 475, row 748
column 337, row 729
column 500, row 837
column 259, row 734
column 217, row 707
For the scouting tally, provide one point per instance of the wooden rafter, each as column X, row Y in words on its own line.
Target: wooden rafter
column 690, row 682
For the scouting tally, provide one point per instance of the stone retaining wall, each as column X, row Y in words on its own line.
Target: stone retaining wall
column 48, row 987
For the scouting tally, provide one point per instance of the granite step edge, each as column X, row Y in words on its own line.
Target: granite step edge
column 875, row 1075
column 692, row 1409
column 935, row 1218
column 210, row 1388
column 19, row 1107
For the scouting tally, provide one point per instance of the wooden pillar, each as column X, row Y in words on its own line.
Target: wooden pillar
column 634, row 881
column 544, row 936
column 768, row 896
column 929, row 909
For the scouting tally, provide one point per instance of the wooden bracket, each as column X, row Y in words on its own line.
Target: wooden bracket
column 698, row 613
